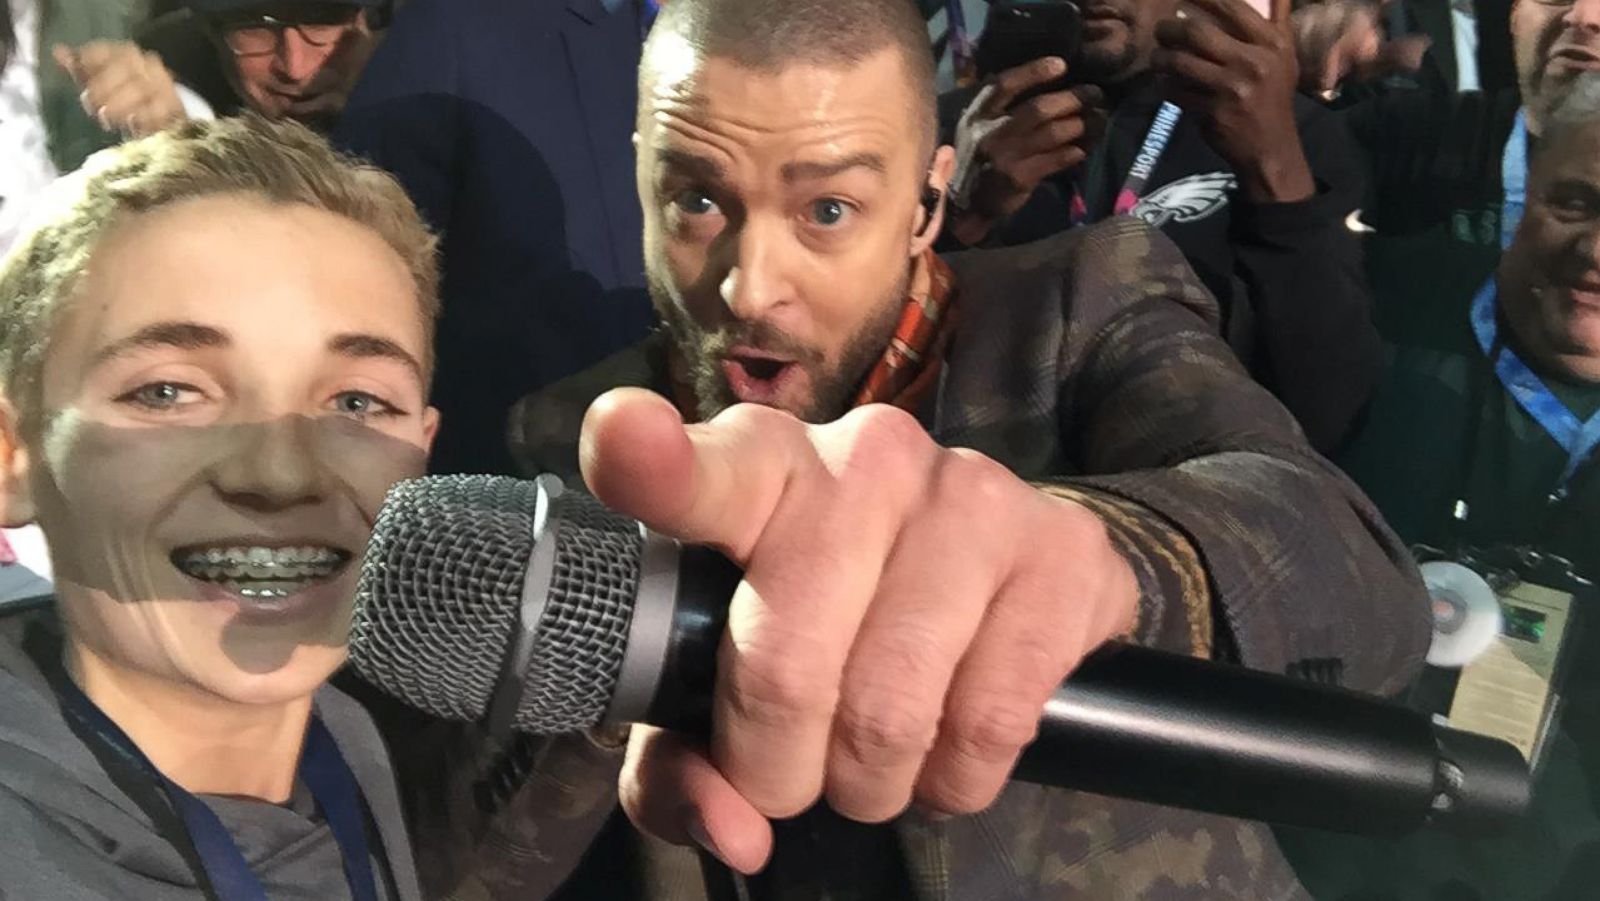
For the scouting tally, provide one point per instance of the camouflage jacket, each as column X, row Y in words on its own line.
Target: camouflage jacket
column 1089, row 364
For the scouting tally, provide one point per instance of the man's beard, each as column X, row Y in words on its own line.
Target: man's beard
column 699, row 354
column 1102, row 67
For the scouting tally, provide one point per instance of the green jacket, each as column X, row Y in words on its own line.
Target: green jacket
column 73, row 134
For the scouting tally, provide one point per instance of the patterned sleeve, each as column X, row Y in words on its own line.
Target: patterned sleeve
column 1240, row 532
column 1164, row 563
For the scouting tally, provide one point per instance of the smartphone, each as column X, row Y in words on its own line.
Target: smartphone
column 1018, row 32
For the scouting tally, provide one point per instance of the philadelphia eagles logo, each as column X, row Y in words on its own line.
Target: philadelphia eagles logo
column 1187, row 199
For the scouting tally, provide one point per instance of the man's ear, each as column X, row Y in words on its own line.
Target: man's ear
column 930, row 218
column 16, row 500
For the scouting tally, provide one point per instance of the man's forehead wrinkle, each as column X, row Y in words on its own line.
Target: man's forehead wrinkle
column 717, row 93
column 821, row 139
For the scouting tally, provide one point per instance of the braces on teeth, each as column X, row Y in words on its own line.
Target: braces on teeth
column 233, row 565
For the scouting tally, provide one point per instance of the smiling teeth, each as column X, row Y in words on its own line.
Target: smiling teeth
column 235, row 564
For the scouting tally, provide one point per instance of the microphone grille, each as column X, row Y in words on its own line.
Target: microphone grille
column 439, row 604
column 440, row 592
column 583, row 629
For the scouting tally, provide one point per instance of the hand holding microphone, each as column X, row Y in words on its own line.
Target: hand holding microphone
column 888, row 584
column 906, row 611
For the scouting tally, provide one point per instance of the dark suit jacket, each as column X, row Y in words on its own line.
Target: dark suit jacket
column 510, row 124
column 1090, row 364
column 1496, row 69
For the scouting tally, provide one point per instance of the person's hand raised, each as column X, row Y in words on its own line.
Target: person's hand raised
column 1339, row 41
column 1034, row 139
column 906, row 612
column 125, row 89
column 1237, row 73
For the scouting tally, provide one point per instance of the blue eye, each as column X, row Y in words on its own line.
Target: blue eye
column 695, row 203
column 829, row 211
column 361, row 405
column 160, row 395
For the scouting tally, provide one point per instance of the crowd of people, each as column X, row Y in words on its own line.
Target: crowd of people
column 1200, row 337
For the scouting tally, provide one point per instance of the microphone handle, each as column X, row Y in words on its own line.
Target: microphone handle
column 1152, row 726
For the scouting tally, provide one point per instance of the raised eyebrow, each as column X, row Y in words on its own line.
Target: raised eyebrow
column 802, row 171
column 179, row 335
column 365, row 346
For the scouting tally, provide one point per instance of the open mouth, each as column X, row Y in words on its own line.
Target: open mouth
column 260, row 572
column 757, row 378
column 761, row 368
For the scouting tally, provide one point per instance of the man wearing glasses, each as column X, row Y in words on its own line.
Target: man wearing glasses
column 297, row 59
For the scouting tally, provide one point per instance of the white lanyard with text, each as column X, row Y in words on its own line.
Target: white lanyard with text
column 1144, row 164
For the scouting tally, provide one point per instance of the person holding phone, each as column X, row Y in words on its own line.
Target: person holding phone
column 1185, row 114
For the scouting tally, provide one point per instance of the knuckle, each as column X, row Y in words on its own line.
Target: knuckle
column 991, row 733
column 1066, row 131
column 767, row 425
column 886, row 727
column 883, row 439
column 752, row 416
column 774, row 689
column 977, row 477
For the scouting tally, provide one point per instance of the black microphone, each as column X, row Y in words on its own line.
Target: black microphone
column 535, row 609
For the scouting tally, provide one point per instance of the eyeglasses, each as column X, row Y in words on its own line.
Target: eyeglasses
column 263, row 35
column 1556, row 3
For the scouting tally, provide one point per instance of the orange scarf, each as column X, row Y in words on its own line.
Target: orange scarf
column 910, row 365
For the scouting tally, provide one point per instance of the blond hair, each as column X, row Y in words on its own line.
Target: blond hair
column 280, row 162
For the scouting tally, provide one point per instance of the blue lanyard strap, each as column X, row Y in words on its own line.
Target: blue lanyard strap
column 1577, row 437
column 322, row 768
column 1514, row 180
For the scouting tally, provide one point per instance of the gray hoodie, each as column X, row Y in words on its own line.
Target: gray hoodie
column 69, row 833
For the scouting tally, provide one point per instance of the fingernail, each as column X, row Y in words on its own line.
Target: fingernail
column 696, row 828
column 1058, row 65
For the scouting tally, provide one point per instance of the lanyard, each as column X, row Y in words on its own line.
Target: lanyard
column 1144, row 164
column 1577, row 437
column 323, row 770
column 1514, row 180
column 963, row 57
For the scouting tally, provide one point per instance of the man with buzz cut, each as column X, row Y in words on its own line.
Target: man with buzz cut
column 1004, row 459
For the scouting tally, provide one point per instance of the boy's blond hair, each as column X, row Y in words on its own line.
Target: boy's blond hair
column 278, row 162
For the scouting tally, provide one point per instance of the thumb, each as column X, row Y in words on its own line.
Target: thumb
column 714, row 484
